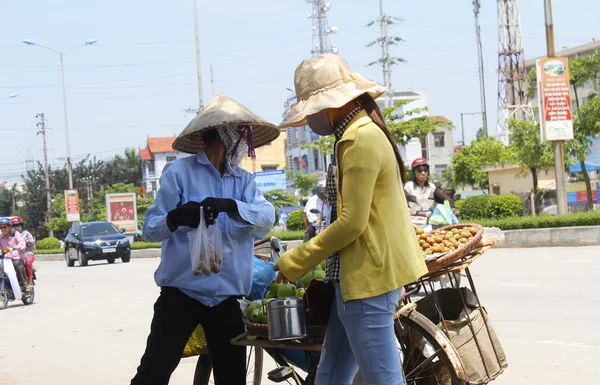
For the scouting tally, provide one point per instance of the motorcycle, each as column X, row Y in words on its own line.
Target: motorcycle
column 9, row 285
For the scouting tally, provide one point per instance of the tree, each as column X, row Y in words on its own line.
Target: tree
column 280, row 198
column 586, row 125
column 58, row 223
column 5, row 202
column 530, row 151
column 305, row 182
column 468, row 163
column 325, row 144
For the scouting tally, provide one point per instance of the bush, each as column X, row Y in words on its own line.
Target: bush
column 295, row 220
column 48, row 243
column 543, row 221
column 474, row 207
column 288, row 235
column 459, row 204
column 504, row 206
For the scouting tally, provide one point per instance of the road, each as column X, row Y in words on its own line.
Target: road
column 89, row 325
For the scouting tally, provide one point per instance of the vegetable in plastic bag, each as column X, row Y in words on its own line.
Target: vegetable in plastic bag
column 443, row 216
column 206, row 248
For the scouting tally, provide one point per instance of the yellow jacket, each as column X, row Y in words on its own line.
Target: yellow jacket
column 378, row 248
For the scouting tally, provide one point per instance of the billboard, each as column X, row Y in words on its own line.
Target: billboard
column 270, row 180
column 72, row 205
column 592, row 160
column 121, row 210
column 554, row 90
column 285, row 211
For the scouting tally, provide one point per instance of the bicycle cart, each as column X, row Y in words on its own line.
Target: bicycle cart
column 444, row 337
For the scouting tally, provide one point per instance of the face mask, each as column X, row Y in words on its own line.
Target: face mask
column 320, row 124
column 236, row 148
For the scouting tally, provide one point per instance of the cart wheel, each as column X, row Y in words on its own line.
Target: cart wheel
column 254, row 368
column 424, row 361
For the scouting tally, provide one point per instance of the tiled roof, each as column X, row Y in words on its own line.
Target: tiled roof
column 145, row 154
column 160, row 145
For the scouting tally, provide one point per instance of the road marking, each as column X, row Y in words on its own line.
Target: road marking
column 520, row 284
column 565, row 343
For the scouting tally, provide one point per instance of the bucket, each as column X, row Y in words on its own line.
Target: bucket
column 287, row 319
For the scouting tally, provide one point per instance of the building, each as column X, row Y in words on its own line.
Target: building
column 156, row 155
column 514, row 179
column 159, row 152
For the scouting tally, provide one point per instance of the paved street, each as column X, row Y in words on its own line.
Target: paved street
column 89, row 325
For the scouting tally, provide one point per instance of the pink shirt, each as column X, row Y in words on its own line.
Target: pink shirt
column 16, row 242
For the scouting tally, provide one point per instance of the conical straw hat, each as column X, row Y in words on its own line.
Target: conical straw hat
column 224, row 111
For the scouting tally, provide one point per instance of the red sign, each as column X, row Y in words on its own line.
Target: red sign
column 72, row 205
column 582, row 196
column 555, row 100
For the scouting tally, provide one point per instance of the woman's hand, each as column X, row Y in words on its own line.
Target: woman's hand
column 280, row 277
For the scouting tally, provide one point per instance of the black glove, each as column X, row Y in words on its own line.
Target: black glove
column 185, row 215
column 214, row 206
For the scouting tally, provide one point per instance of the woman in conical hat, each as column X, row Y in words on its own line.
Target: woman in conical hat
column 219, row 137
column 370, row 245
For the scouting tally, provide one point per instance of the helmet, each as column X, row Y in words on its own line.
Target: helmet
column 16, row 221
column 419, row 162
column 5, row 221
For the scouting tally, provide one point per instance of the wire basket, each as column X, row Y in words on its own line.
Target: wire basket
column 451, row 256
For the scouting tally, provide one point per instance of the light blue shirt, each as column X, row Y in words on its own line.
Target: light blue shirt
column 193, row 179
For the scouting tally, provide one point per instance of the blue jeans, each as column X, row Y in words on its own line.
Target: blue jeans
column 360, row 335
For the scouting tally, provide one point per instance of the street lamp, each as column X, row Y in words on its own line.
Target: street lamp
column 64, row 94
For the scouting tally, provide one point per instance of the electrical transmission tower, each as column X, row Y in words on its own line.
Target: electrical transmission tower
column 512, row 100
column 321, row 43
column 386, row 60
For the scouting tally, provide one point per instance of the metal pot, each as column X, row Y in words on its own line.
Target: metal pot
column 287, row 318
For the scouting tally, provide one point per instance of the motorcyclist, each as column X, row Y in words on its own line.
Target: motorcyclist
column 13, row 246
column 17, row 223
column 427, row 194
column 314, row 212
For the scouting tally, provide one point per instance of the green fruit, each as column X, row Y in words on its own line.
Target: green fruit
column 320, row 275
column 274, row 287
column 263, row 319
column 300, row 293
column 269, row 295
column 255, row 316
column 318, row 267
column 251, row 307
column 307, row 279
column 286, row 290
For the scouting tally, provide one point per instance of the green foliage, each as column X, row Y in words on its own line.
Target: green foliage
column 295, row 221
column 38, row 252
column 145, row 245
column 288, row 235
column 413, row 124
column 543, row 221
column 468, row 163
column 58, row 222
column 280, row 198
column 504, row 206
column 474, row 207
column 48, row 243
column 325, row 144
column 459, row 204
column 305, row 182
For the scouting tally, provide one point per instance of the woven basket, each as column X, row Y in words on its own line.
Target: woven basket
column 454, row 255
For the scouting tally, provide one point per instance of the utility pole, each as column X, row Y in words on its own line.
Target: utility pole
column 559, row 164
column 386, row 60
column 198, row 63
column 212, row 81
column 462, row 124
column 42, row 125
column 476, row 7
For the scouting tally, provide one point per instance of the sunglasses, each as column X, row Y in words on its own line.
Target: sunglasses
column 421, row 169
column 4, row 227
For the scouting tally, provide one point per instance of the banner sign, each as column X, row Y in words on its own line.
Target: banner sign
column 270, row 180
column 285, row 211
column 121, row 210
column 554, row 91
column 72, row 205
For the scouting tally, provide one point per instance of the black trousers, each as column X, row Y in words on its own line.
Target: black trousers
column 310, row 233
column 21, row 274
column 176, row 316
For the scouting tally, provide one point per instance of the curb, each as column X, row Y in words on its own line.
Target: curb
column 135, row 254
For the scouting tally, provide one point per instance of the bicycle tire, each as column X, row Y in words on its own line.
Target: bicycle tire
column 416, row 323
column 204, row 368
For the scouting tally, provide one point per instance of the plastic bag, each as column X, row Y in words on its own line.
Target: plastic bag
column 443, row 216
column 262, row 276
column 492, row 234
column 206, row 248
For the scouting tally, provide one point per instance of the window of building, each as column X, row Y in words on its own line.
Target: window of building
column 496, row 189
column 305, row 161
column 439, row 139
column 171, row 158
column 268, row 167
column 316, row 158
column 439, row 171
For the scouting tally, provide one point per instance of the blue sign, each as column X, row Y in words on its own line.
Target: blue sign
column 285, row 211
column 270, row 180
column 592, row 160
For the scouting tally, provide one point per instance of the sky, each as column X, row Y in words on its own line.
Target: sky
column 140, row 76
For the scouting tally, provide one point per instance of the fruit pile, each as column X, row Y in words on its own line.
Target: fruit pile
column 256, row 310
column 444, row 241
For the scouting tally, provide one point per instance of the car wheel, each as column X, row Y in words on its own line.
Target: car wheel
column 68, row 260
column 83, row 261
column 110, row 259
column 126, row 258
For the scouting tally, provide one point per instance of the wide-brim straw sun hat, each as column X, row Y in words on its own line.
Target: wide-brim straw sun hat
column 326, row 81
column 220, row 112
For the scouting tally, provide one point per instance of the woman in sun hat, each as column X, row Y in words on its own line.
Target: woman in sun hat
column 370, row 245
column 219, row 137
